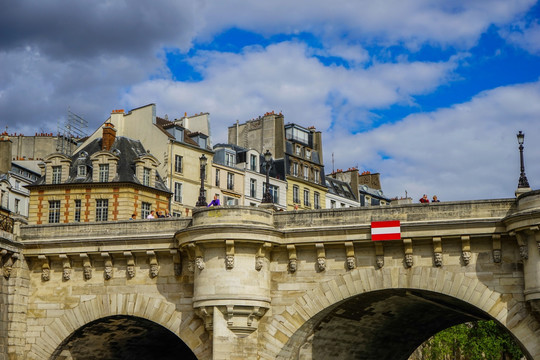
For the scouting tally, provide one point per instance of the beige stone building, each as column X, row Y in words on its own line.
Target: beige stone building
column 111, row 178
column 177, row 145
column 297, row 152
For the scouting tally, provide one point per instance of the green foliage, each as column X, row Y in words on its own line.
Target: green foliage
column 472, row 341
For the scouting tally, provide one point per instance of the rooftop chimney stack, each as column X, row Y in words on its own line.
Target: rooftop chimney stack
column 5, row 154
column 109, row 134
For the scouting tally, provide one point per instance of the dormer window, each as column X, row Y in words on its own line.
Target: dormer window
column 56, row 174
column 298, row 150
column 81, row 171
column 103, row 172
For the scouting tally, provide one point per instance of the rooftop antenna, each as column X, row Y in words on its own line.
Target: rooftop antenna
column 74, row 127
column 332, row 161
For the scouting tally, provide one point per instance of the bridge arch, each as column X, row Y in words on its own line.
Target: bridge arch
column 293, row 329
column 186, row 326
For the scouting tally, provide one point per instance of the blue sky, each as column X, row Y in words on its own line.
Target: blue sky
column 428, row 94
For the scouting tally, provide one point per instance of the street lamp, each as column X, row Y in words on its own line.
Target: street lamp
column 523, row 182
column 202, row 198
column 267, row 198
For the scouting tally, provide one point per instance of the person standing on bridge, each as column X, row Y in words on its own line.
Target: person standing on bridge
column 424, row 199
column 214, row 202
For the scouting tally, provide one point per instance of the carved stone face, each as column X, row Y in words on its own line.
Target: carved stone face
column 130, row 271
column 497, row 256
column 380, row 261
column 45, row 274
column 523, row 252
column 229, row 261
column 199, row 262
column 108, row 272
column 438, row 259
column 351, row 263
column 87, row 272
column 321, row 263
column 66, row 273
column 292, row 265
column 409, row 260
column 7, row 271
column 259, row 263
column 466, row 255
column 154, row 270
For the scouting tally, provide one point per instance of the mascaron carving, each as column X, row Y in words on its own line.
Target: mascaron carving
column 321, row 263
column 409, row 260
column 437, row 259
column 466, row 256
column 199, row 262
column 497, row 256
column 259, row 261
column 229, row 262
column 292, row 265
column 351, row 262
column 380, row 261
column 523, row 252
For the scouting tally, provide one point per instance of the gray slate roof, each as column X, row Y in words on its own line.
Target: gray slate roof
column 128, row 150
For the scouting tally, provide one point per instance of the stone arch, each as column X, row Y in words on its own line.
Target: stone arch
column 505, row 309
column 187, row 327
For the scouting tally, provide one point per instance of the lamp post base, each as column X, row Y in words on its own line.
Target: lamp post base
column 522, row 190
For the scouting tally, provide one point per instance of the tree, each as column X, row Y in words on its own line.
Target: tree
column 472, row 341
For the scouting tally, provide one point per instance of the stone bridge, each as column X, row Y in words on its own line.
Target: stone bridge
column 250, row 283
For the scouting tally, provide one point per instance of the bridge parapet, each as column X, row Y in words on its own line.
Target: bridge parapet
column 524, row 224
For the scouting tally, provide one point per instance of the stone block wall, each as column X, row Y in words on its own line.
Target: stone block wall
column 60, row 306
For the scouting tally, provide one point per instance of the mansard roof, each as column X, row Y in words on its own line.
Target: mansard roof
column 127, row 150
column 339, row 188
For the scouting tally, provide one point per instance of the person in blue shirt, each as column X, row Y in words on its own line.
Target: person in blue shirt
column 214, row 202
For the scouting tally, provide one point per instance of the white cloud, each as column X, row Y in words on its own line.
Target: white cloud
column 413, row 22
column 526, row 36
column 468, row 151
column 282, row 77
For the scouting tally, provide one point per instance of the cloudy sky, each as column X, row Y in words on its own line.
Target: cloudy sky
column 430, row 94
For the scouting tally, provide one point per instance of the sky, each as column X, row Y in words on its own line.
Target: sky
column 430, row 94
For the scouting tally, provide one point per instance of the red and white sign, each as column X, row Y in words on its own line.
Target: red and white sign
column 385, row 230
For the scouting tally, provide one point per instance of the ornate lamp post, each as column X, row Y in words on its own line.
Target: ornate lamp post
column 523, row 182
column 267, row 198
column 202, row 198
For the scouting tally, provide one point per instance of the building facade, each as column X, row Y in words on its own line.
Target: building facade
column 177, row 145
column 365, row 185
column 297, row 152
column 111, row 178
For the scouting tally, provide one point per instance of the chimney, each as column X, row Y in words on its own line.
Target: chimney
column 109, row 134
column 5, row 154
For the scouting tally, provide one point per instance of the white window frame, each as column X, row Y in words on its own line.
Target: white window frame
column 178, row 192
column 102, row 209
column 146, row 176
column 56, row 175
column 230, row 181
column 103, row 172
column 54, row 211
column 253, row 188
column 178, row 163
column 296, row 194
